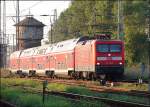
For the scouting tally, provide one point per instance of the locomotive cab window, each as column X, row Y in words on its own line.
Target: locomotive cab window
column 115, row 48
column 102, row 48
column 108, row 48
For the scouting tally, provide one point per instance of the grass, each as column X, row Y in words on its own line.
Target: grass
column 30, row 100
column 85, row 91
column 133, row 86
column 63, row 87
column 80, row 90
column 21, row 99
column 19, row 81
column 10, row 94
column 57, row 87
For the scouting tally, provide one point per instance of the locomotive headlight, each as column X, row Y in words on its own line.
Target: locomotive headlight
column 98, row 63
column 109, row 54
column 101, row 58
column 120, row 63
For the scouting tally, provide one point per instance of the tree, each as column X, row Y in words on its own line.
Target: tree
column 88, row 17
column 136, row 45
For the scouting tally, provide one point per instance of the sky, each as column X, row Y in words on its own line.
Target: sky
column 35, row 8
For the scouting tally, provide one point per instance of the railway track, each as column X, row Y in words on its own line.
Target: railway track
column 93, row 87
column 111, row 102
column 6, row 104
column 110, row 89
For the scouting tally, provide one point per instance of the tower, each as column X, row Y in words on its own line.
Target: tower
column 30, row 33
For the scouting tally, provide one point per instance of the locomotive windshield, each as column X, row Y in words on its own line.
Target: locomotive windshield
column 103, row 48
column 115, row 48
column 108, row 48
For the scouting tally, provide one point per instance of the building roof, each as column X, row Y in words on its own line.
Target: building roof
column 30, row 21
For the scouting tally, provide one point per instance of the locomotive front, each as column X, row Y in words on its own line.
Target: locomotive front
column 109, row 58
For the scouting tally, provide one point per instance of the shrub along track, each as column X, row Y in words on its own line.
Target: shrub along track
column 110, row 102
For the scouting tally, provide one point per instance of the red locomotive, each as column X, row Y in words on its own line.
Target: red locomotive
column 78, row 58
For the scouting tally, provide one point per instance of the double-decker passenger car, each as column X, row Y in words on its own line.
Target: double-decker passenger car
column 79, row 58
column 14, row 61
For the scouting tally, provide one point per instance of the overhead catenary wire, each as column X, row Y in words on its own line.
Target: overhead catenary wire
column 31, row 6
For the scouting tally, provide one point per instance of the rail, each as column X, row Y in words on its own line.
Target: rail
column 103, row 89
column 111, row 102
column 6, row 104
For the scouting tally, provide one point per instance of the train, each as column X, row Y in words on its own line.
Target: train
column 83, row 57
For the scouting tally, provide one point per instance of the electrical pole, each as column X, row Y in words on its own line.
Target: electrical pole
column 51, row 30
column 52, row 25
column 147, row 31
column 52, row 22
column 4, row 20
column 55, row 15
column 94, row 19
column 17, row 27
column 0, row 22
column 120, row 21
column 13, row 35
column 0, row 34
column 4, row 35
column 148, row 38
